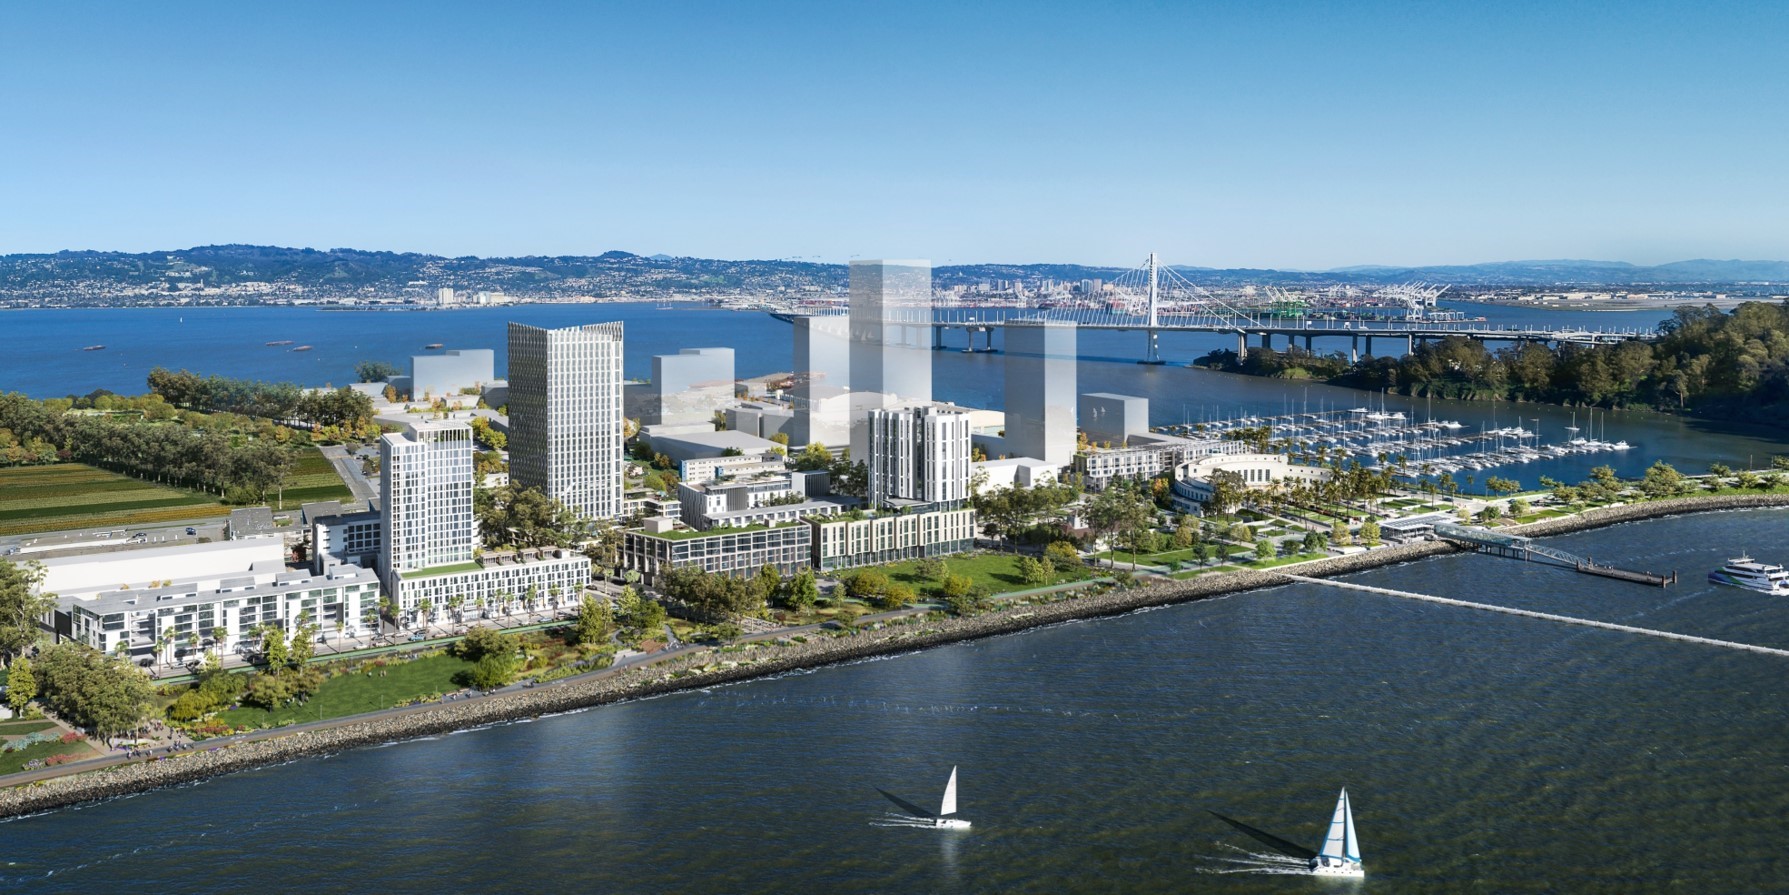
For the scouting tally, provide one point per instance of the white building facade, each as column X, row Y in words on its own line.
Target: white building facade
column 565, row 415
column 426, row 490
column 918, row 454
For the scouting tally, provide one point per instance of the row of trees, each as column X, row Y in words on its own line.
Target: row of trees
column 267, row 400
column 230, row 456
column 1723, row 363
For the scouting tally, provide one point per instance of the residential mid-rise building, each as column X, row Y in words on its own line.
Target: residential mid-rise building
column 340, row 538
column 869, row 538
column 1146, row 457
column 788, row 546
column 689, row 386
column 845, row 540
column 565, row 414
column 917, row 454
column 1040, row 390
column 167, row 603
column 759, row 499
column 432, row 550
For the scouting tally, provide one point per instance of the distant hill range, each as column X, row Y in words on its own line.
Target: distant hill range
column 255, row 273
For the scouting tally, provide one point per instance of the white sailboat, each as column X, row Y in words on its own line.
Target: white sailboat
column 1340, row 855
column 945, row 818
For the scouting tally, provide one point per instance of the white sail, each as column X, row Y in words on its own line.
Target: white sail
column 1340, row 839
column 1352, row 852
column 950, row 796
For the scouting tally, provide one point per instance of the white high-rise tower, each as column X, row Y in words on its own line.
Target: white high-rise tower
column 565, row 417
column 425, row 484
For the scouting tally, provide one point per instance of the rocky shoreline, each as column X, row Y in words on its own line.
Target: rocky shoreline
column 760, row 661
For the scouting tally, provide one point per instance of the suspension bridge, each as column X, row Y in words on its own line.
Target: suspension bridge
column 1153, row 299
column 1529, row 613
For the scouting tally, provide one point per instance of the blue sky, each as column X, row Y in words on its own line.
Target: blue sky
column 1308, row 135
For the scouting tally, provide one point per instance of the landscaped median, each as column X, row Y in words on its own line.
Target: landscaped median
column 709, row 667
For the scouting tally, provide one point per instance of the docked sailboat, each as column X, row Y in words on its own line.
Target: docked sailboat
column 944, row 819
column 1340, row 855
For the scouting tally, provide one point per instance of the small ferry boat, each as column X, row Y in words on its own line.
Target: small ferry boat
column 302, row 348
column 431, row 346
column 1752, row 575
column 279, row 342
column 94, row 348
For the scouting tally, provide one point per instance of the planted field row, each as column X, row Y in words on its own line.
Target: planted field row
column 139, row 493
column 118, row 519
column 14, row 492
column 63, row 473
column 162, row 499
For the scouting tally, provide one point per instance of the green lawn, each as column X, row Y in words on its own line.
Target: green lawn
column 366, row 691
column 13, row 762
column 75, row 495
column 19, row 728
column 450, row 569
column 1154, row 559
column 995, row 571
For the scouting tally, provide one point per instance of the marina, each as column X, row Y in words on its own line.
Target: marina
column 1393, row 440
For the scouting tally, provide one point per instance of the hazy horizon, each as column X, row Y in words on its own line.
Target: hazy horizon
column 1295, row 136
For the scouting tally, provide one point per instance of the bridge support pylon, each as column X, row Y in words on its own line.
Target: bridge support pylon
column 1152, row 355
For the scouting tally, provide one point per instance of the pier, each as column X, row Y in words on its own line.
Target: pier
column 1485, row 540
column 1529, row 613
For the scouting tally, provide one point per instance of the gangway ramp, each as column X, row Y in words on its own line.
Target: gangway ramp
column 1529, row 613
column 1485, row 540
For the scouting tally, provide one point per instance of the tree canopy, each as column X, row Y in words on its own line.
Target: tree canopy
column 22, row 606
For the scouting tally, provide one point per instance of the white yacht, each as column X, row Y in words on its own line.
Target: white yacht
column 1340, row 855
column 1752, row 575
column 945, row 818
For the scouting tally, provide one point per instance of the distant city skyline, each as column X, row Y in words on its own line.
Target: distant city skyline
column 1295, row 136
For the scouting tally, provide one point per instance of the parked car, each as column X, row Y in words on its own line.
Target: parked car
column 418, row 636
column 191, row 530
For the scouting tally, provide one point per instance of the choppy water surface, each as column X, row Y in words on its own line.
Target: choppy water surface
column 1485, row 753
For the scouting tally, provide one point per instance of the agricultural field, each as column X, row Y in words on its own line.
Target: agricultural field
column 75, row 495
column 313, row 478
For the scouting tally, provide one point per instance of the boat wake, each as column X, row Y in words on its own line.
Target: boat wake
column 901, row 820
column 1244, row 861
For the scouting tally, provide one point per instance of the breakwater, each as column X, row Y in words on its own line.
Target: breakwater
column 634, row 683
